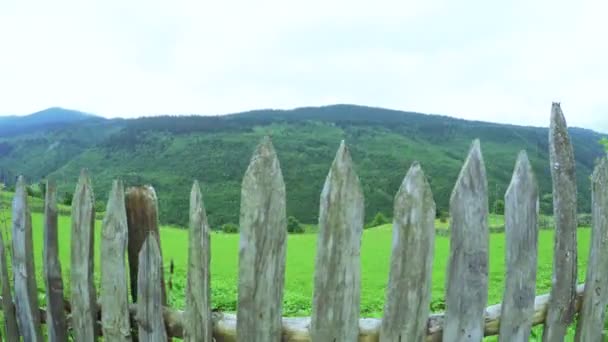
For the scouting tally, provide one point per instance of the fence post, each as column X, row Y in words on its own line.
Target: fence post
column 336, row 299
column 142, row 218
column 114, row 287
column 198, row 293
column 409, row 287
column 467, row 281
column 563, row 173
column 57, row 327
column 263, row 230
column 150, row 305
column 84, row 303
column 24, row 271
column 521, row 230
column 10, row 321
column 595, row 298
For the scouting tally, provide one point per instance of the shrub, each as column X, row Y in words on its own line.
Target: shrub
column 584, row 220
column 30, row 191
column 100, row 207
column 67, row 198
column 378, row 220
column 294, row 226
column 499, row 207
column 443, row 216
column 42, row 187
column 230, row 228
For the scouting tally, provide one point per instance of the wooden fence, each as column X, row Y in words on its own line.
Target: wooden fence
column 130, row 227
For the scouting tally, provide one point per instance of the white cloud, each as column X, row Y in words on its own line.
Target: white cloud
column 475, row 59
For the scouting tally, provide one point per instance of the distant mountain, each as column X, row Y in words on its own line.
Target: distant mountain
column 169, row 152
column 44, row 120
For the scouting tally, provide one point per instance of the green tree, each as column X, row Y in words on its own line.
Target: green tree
column 442, row 215
column 499, row 207
column 42, row 186
column 30, row 191
column 604, row 142
column 230, row 228
column 378, row 220
column 546, row 204
column 67, row 198
column 294, row 226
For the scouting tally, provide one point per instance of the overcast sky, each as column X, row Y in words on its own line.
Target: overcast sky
column 502, row 61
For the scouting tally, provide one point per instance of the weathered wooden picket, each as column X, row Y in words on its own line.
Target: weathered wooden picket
column 130, row 227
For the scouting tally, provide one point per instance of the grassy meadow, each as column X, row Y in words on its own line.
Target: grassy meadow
column 375, row 256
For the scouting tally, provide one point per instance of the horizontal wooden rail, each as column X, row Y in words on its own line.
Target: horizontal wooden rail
column 296, row 329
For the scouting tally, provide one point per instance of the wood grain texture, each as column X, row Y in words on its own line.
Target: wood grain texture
column 149, row 306
column 11, row 331
column 336, row 299
column 82, row 281
column 24, row 271
column 297, row 329
column 114, row 296
column 263, row 231
column 409, row 287
column 467, row 281
column 56, row 317
column 142, row 218
column 198, row 290
column 521, row 230
column 591, row 320
column 563, row 174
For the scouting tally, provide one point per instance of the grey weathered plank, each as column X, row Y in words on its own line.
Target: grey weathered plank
column 150, row 305
column 56, row 317
column 409, row 286
column 83, row 298
column 563, row 173
column 142, row 218
column 24, row 271
column 296, row 329
column 336, row 299
column 467, row 281
column 263, row 225
column 11, row 330
column 198, row 293
column 114, row 296
column 521, row 230
column 595, row 299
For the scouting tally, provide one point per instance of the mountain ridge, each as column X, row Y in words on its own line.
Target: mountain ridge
column 169, row 152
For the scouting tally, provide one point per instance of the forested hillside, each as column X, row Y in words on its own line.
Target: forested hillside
column 170, row 152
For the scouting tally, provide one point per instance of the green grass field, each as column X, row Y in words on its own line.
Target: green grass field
column 375, row 257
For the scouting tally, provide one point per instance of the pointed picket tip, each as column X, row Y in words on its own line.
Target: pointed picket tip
column 117, row 196
column 600, row 174
column 557, row 115
column 197, row 207
column 21, row 189
column 415, row 184
column 84, row 178
column 264, row 164
column 415, row 177
column 522, row 174
column 20, row 183
column 196, row 196
column 560, row 147
column 115, row 209
column 342, row 173
column 265, row 149
column 473, row 173
column 343, row 160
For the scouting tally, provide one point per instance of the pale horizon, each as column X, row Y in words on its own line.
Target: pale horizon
column 474, row 60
